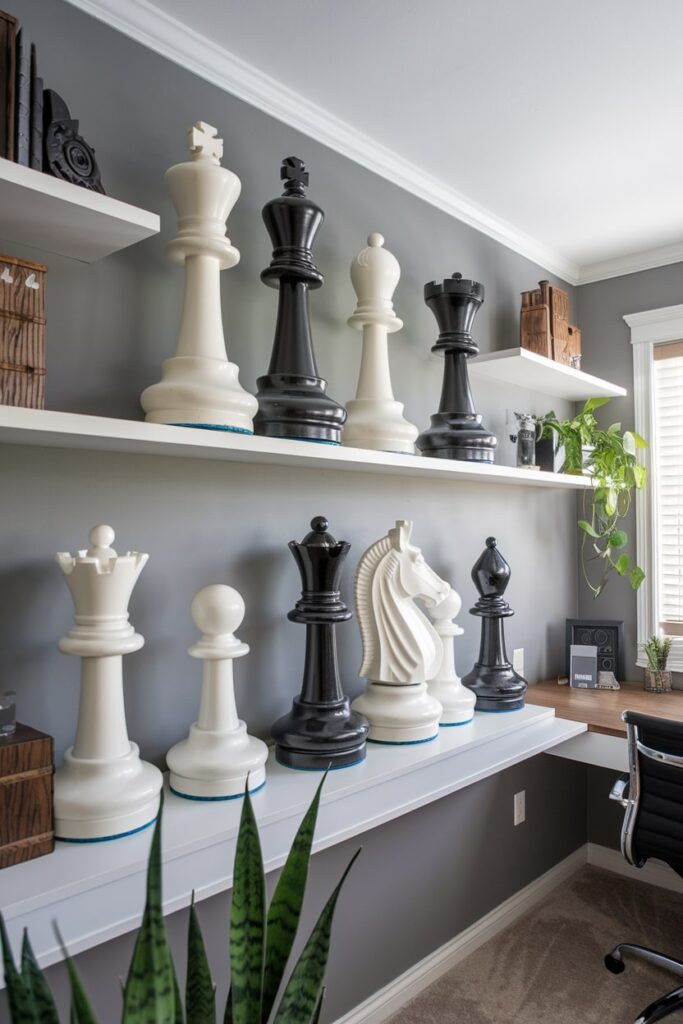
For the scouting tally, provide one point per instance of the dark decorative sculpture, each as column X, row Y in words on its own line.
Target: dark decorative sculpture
column 291, row 397
column 321, row 730
column 493, row 679
column 456, row 431
column 66, row 154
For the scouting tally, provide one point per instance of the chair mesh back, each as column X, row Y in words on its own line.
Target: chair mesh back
column 658, row 830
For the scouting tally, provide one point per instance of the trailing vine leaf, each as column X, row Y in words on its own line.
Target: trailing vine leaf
column 640, row 441
column 622, row 563
column 200, row 993
column 636, row 577
column 587, row 528
column 33, row 977
column 81, row 1010
column 19, row 995
column 247, row 921
column 618, row 539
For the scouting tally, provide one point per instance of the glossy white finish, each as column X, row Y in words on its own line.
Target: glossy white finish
column 58, row 217
column 456, row 700
column 529, row 370
column 97, row 892
column 375, row 419
column 214, row 761
column 199, row 385
column 102, row 789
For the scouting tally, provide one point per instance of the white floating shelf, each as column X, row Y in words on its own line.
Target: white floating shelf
column 96, row 891
column 528, row 370
column 47, row 429
column 58, row 217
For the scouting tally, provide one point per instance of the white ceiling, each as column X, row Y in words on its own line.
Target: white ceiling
column 553, row 126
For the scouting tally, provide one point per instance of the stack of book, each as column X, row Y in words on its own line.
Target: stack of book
column 21, row 97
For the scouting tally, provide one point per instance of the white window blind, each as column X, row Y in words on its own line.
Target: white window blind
column 668, row 481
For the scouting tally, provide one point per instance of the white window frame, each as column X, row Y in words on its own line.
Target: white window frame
column 650, row 328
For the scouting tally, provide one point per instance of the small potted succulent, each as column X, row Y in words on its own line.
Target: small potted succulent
column 657, row 679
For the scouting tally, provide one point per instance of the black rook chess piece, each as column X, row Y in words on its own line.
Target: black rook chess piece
column 456, row 431
column 321, row 730
column 291, row 397
column 493, row 679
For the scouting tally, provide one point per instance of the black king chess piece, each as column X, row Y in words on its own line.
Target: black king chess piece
column 291, row 397
column 493, row 679
column 456, row 431
column 321, row 730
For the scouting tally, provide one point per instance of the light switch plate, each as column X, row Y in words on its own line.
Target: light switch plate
column 520, row 807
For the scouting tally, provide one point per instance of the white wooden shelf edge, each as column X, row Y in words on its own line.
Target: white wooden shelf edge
column 45, row 428
column 96, row 892
column 534, row 372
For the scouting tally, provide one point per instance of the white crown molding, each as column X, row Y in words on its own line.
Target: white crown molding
column 654, row 326
column 633, row 263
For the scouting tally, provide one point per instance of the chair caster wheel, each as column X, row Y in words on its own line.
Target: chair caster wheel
column 614, row 965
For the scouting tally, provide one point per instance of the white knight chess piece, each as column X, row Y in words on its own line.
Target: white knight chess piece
column 199, row 387
column 214, row 761
column 457, row 701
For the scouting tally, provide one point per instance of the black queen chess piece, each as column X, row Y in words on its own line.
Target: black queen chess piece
column 291, row 396
column 321, row 730
column 493, row 679
column 456, row 431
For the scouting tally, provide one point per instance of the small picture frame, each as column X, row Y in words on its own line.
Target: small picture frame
column 605, row 634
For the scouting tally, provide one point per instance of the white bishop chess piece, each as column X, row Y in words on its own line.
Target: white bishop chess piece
column 199, row 387
column 102, row 790
column 456, row 700
column 375, row 419
column 214, row 761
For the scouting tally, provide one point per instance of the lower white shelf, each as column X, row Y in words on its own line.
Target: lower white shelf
column 96, row 891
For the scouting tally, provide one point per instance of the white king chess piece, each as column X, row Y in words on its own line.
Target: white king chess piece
column 375, row 419
column 102, row 790
column 457, row 700
column 214, row 761
column 401, row 647
column 199, row 387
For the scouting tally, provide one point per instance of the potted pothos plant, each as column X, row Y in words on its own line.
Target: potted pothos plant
column 260, row 946
column 610, row 458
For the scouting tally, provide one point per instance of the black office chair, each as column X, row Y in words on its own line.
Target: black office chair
column 653, row 827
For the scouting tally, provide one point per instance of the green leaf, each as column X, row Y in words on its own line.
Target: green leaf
column 584, row 525
column 46, row 1011
column 640, row 441
column 636, row 577
column 316, row 1015
column 618, row 539
column 81, row 1010
column 594, row 403
column 629, row 443
column 640, row 476
column 200, row 994
column 610, row 501
column 301, row 997
column 614, row 428
column 149, row 993
column 285, row 907
column 247, row 921
column 22, row 1006
column 179, row 1015
column 622, row 563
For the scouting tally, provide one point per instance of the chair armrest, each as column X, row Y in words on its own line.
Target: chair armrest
column 617, row 791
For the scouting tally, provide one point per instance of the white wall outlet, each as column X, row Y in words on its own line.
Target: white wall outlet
column 518, row 660
column 520, row 807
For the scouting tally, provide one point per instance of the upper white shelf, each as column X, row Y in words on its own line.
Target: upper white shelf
column 58, row 217
column 44, row 428
column 537, row 373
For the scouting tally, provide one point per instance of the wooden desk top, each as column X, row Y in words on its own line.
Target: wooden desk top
column 601, row 709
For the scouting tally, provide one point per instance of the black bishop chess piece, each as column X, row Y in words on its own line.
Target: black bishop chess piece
column 291, row 397
column 493, row 679
column 456, row 431
column 321, row 730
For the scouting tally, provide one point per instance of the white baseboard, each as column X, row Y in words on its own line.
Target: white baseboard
column 654, row 872
column 390, row 999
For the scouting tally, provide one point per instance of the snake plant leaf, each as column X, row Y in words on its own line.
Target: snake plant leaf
column 200, row 994
column 179, row 1015
column 46, row 1011
column 22, row 1005
column 149, row 994
column 316, row 1013
column 247, row 921
column 227, row 1016
column 301, row 997
column 81, row 1010
column 285, row 907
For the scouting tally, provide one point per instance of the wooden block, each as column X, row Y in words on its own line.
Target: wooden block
column 535, row 330
column 8, row 42
column 19, row 297
column 22, row 333
column 26, row 779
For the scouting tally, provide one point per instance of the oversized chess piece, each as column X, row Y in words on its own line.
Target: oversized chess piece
column 199, row 387
column 374, row 418
column 456, row 431
column 291, row 397
column 321, row 731
column 493, row 680
column 102, row 790
column 401, row 647
column 455, row 699
column 213, row 763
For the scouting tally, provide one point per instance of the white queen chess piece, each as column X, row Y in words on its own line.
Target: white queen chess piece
column 102, row 790
column 401, row 647
column 456, row 700
column 214, row 761
column 199, row 387
column 375, row 419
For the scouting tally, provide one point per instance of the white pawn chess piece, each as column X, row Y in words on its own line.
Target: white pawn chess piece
column 199, row 386
column 456, row 700
column 102, row 790
column 214, row 761
column 375, row 419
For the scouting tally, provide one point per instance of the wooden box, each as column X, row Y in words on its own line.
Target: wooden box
column 22, row 333
column 26, row 775
column 544, row 324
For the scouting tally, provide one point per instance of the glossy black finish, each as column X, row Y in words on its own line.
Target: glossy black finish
column 321, row 730
column 66, row 154
column 496, row 684
column 456, row 431
column 291, row 396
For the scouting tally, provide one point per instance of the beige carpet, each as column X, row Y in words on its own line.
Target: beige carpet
column 547, row 968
